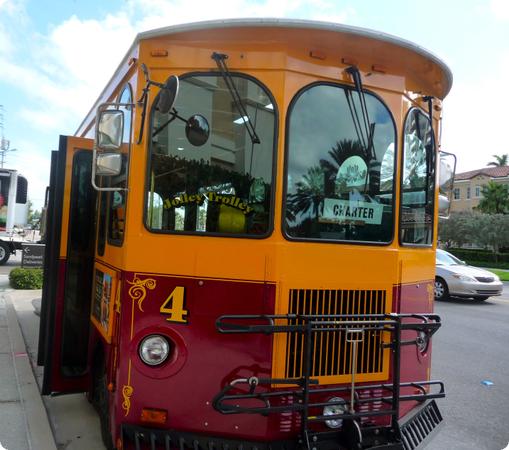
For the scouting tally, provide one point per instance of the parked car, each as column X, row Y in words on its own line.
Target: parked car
column 455, row 278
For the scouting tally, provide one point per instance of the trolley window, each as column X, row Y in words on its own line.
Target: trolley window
column 340, row 167
column 418, row 182
column 224, row 186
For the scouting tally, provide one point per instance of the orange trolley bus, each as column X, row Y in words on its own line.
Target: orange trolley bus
column 241, row 241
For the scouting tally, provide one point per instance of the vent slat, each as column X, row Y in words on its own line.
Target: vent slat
column 331, row 354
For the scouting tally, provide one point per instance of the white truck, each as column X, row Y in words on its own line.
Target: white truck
column 13, row 212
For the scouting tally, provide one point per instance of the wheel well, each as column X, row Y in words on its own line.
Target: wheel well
column 8, row 245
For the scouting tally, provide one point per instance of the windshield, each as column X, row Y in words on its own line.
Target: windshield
column 225, row 185
column 446, row 259
column 337, row 188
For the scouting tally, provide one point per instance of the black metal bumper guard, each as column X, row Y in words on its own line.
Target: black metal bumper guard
column 351, row 436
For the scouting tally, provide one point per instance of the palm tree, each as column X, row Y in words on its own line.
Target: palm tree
column 501, row 161
column 495, row 199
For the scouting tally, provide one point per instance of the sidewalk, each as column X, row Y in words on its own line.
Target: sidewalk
column 24, row 423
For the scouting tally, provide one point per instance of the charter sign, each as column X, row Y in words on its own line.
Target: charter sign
column 347, row 211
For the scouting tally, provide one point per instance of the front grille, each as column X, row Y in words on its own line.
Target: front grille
column 331, row 353
column 485, row 279
column 421, row 426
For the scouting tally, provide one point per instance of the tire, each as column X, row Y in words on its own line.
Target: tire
column 441, row 289
column 5, row 253
column 100, row 400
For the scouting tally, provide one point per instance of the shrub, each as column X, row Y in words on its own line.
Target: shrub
column 26, row 278
column 483, row 258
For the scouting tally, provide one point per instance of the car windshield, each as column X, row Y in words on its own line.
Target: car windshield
column 446, row 259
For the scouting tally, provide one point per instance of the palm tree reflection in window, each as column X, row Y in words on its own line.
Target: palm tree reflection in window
column 309, row 194
column 332, row 178
column 347, row 174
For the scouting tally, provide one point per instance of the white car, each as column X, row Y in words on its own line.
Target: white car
column 455, row 278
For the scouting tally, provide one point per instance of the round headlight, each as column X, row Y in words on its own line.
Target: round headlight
column 154, row 350
column 334, row 410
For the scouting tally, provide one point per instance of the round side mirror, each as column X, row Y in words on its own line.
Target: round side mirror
column 168, row 94
column 197, row 130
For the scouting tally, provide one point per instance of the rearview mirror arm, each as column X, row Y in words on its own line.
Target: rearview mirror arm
column 174, row 115
column 144, row 100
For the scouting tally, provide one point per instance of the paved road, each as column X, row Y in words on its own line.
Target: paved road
column 14, row 261
column 473, row 346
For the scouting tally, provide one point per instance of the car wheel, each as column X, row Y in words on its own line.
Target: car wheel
column 480, row 298
column 441, row 289
column 5, row 252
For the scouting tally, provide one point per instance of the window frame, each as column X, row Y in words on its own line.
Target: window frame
column 289, row 113
column 435, row 172
column 275, row 152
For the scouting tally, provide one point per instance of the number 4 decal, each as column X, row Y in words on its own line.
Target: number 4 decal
column 174, row 306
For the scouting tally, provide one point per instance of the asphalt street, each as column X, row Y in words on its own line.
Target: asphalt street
column 471, row 355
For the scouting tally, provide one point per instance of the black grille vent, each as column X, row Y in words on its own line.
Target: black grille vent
column 485, row 279
column 331, row 352
column 415, row 431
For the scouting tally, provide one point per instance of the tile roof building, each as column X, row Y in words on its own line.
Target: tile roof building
column 468, row 185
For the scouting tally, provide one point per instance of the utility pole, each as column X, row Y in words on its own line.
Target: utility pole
column 4, row 143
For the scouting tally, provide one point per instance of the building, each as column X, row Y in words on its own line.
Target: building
column 468, row 186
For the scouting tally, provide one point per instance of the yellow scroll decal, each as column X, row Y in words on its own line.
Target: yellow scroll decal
column 127, row 391
column 138, row 290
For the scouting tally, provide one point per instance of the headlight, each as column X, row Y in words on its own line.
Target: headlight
column 334, row 410
column 154, row 350
column 463, row 277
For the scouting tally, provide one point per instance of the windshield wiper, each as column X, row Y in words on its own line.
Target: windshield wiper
column 364, row 128
column 220, row 59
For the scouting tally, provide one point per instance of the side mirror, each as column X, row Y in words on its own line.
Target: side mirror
column 168, row 94
column 446, row 171
column 443, row 205
column 110, row 129
column 197, row 130
column 108, row 164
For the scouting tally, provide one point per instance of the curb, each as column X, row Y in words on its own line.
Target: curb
column 40, row 435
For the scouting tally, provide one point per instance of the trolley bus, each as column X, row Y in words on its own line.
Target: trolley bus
column 241, row 241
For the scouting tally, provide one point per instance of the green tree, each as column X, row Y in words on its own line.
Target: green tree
column 457, row 230
column 33, row 217
column 491, row 231
column 495, row 199
column 500, row 161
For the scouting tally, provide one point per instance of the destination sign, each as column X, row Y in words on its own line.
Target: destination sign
column 351, row 211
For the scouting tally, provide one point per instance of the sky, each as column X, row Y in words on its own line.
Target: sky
column 56, row 56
